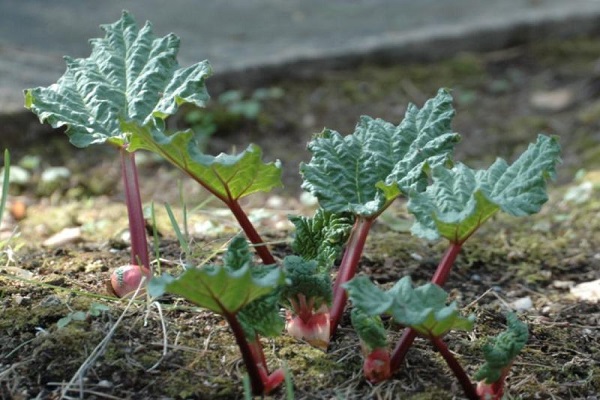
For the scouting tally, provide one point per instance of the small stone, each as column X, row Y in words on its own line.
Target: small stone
column 522, row 304
column 563, row 284
column 54, row 174
column 476, row 278
column 308, row 199
column 104, row 384
column 587, row 291
column 22, row 300
column 553, row 100
column 66, row 236
column 18, row 175
column 275, row 202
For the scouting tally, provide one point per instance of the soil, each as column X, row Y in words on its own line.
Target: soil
column 174, row 351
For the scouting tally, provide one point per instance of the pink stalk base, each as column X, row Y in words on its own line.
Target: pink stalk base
column 347, row 270
column 260, row 380
column 494, row 390
column 376, row 365
column 126, row 279
column 308, row 325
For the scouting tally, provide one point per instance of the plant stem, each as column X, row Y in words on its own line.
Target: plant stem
column 251, row 234
column 458, row 371
column 439, row 278
column 445, row 266
column 250, row 359
column 347, row 269
column 137, row 226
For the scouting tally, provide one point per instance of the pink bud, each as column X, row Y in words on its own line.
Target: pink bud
column 125, row 279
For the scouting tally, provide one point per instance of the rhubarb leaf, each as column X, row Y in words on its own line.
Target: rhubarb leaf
column 368, row 297
column 262, row 317
column 222, row 289
column 306, row 280
column 461, row 199
column 369, row 329
column 321, row 237
column 130, row 75
column 423, row 308
column 229, row 177
column 502, row 350
column 364, row 172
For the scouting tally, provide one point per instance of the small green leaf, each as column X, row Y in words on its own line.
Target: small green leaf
column 64, row 321
column 370, row 329
column 229, row 177
column 460, row 199
column 503, row 349
column 364, row 172
column 222, row 289
column 321, row 237
column 97, row 308
column 368, row 297
column 423, row 308
column 130, row 75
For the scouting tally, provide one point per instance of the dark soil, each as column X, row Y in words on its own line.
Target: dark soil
column 503, row 99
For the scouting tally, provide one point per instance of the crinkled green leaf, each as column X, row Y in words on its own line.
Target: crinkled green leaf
column 130, row 75
column 321, row 237
column 229, row 177
column 262, row 317
column 222, row 289
column 461, row 199
column 503, row 349
column 364, row 172
column 423, row 308
column 370, row 329
column 305, row 279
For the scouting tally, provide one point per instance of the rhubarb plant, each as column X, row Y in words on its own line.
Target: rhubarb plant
column 246, row 295
column 425, row 310
column 131, row 79
column 461, row 199
column 499, row 355
column 373, row 343
column 363, row 173
column 317, row 244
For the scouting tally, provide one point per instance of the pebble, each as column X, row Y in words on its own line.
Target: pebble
column 553, row 100
column 66, row 236
column 522, row 304
column 587, row 291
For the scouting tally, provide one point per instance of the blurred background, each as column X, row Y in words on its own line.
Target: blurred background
column 286, row 69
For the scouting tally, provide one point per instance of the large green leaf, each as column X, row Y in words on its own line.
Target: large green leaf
column 423, row 308
column 461, row 199
column 222, row 289
column 364, row 172
column 130, row 75
column 228, row 177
